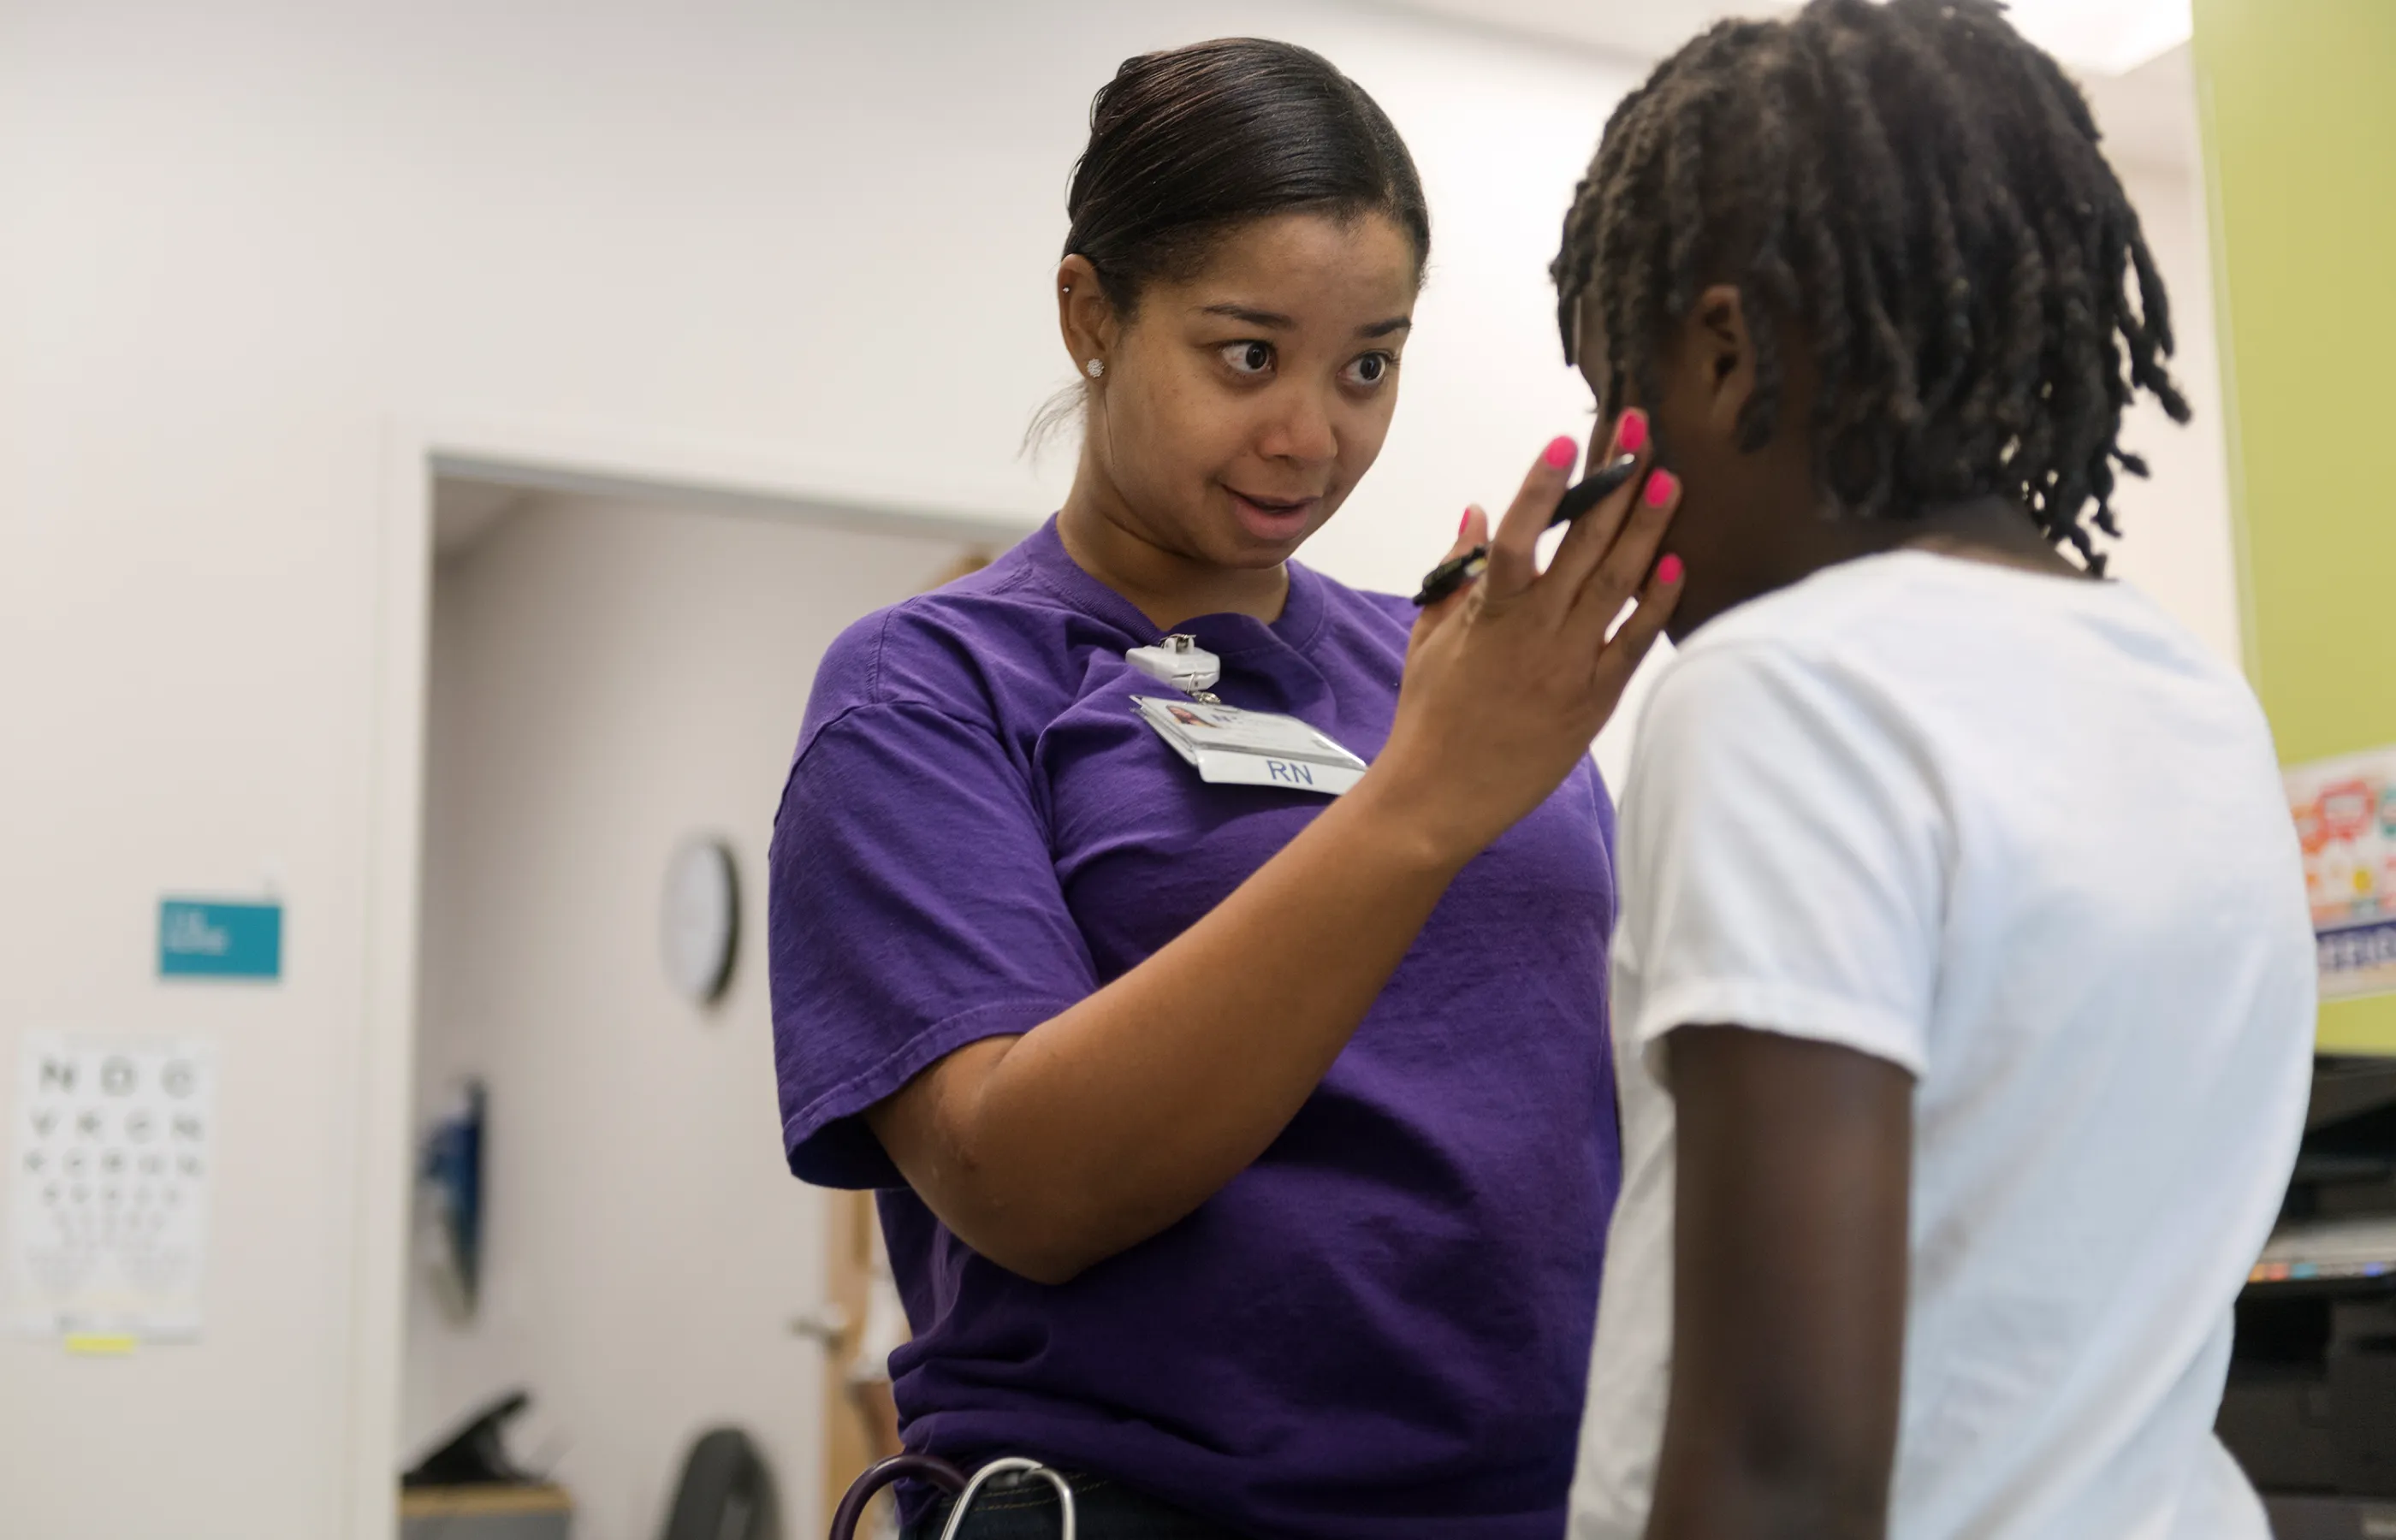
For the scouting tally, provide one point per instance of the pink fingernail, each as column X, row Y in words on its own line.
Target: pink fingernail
column 1631, row 431
column 1562, row 452
column 1667, row 571
column 1464, row 524
column 1661, row 486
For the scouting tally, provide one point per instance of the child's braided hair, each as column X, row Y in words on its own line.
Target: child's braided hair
column 1917, row 192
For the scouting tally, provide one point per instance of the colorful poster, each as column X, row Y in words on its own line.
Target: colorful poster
column 2346, row 819
column 109, row 1222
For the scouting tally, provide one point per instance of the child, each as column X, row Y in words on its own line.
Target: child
column 1963, row 935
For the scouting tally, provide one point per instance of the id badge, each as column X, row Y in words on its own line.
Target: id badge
column 1232, row 747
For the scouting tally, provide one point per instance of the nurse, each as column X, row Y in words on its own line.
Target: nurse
column 1243, row 1151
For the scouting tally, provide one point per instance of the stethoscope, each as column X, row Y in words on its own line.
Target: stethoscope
column 948, row 1477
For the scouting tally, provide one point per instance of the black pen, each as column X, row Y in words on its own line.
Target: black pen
column 1457, row 571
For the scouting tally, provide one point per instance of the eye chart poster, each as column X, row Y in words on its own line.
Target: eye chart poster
column 108, row 1214
column 2346, row 820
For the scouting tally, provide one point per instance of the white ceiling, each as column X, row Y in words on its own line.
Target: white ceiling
column 2147, row 111
column 2098, row 36
column 1647, row 30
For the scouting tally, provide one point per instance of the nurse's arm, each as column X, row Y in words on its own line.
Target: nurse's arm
column 1055, row 1150
column 1790, row 1249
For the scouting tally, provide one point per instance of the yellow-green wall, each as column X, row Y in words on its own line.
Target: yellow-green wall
column 2299, row 103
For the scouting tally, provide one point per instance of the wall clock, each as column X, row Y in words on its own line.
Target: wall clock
column 699, row 921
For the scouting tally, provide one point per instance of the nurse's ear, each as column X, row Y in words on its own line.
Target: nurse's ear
column 1085, row 318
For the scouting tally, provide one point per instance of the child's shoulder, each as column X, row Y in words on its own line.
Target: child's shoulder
column 1857, row 602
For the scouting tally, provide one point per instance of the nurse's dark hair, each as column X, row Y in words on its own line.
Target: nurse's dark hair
column 1188, row 144
column 1916, row 193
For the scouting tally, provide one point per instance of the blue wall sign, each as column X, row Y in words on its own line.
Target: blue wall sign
column 200, row 939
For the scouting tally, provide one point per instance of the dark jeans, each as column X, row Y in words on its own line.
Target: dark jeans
column 1105, row 1510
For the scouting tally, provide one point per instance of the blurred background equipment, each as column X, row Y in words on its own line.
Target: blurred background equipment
column 2311, row 1407
column 469, row 1489
column 726, row 1492
column 451, row 1173
column 476, row 1454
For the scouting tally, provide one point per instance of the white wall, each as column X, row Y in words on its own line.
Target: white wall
column 607, row 678
column 239, row 241
column 2176, row 541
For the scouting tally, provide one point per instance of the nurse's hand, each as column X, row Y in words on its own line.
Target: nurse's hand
column 1509, row 680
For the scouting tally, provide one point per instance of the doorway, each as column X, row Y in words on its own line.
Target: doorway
column 614, row 677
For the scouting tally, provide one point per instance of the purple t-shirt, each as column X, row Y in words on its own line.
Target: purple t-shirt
column 1379, row 1329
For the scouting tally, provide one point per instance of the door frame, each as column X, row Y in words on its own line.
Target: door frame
column 758, row 480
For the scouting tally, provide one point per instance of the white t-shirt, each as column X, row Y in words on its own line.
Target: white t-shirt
column 2020, row 835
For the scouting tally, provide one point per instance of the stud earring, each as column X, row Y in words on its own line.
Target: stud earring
column 1093, row 369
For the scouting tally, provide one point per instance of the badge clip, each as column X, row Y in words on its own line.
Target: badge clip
column 1179, row 661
